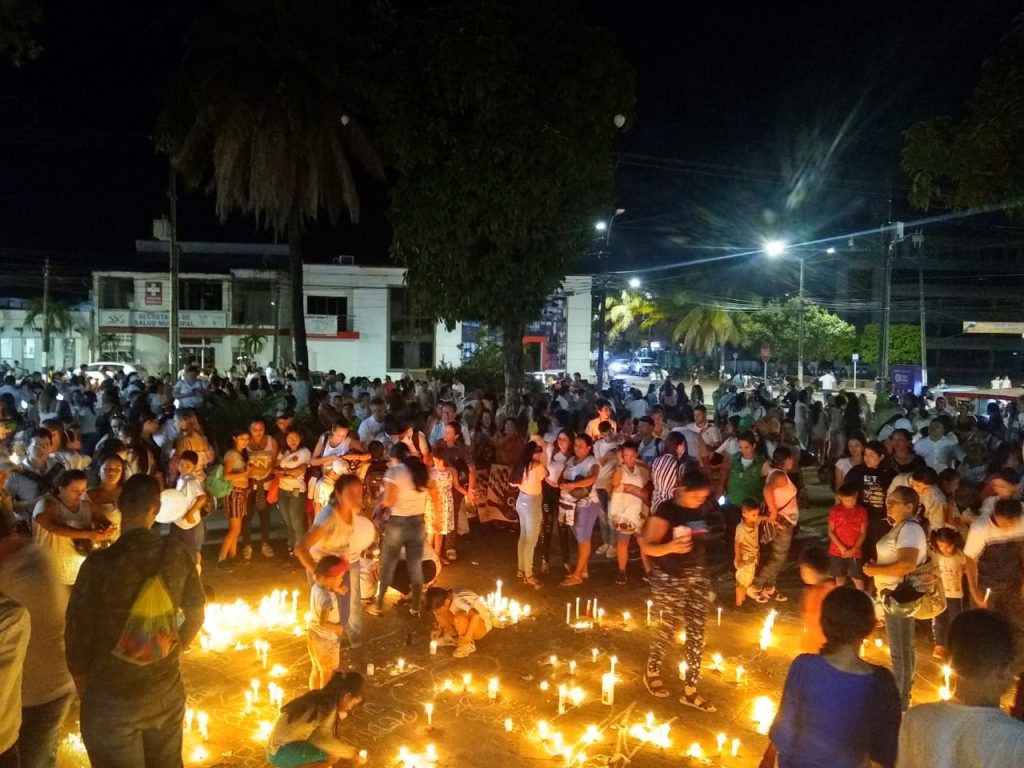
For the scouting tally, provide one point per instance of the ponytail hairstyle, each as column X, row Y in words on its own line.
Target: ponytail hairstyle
column 418, row 470
column 316, row 705
column 522, row 465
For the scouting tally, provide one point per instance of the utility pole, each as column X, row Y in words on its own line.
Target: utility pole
column 800, row 350
column 924, row 341
column 602, row 293
column 46, row 317
column 172, row 294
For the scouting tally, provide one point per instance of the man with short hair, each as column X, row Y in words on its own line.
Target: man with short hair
column 372, row 427
column 971, row 730
column 34, row 476
column 190, row 390
column 132, row 709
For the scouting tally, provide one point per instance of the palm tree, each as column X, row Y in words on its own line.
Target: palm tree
column 252, row 344
column 632, row 312
column 53, row 318
column 265, row 113
column 704, row 326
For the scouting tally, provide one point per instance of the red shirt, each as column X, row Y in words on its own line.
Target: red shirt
column 847, row 524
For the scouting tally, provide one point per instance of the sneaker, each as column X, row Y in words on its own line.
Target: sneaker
column 445, row 642
column 621, row 578
column 414, row 613
column 756, row 595
column 610, row 552
column 225, row 566
column 373, row 609
column 464, row 650
column 266, row 550
column 247, row 552
column 603, row 549
column 452, row 555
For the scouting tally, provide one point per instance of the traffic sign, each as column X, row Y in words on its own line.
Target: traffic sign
column 766, row 352
column 856, row 357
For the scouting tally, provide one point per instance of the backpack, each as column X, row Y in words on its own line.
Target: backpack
column 216, row 485
column 150, row 631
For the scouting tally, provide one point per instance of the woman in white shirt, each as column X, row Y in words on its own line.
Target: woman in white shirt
column 291, row 496
column 558, row 453
column 528, row 476
column 307, row 731
column 578, row 507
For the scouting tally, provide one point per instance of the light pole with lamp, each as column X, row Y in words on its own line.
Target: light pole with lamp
column 606, row 228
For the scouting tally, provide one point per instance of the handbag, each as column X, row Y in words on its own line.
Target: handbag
column 274, row 489
column 920, row 594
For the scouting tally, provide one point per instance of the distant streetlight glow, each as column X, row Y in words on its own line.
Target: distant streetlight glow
column 774, row 248
column 601, row 226
column 634, row 283
column 830, row 250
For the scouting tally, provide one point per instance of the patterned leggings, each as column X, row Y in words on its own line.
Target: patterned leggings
column 682, row 602
column 550, row 525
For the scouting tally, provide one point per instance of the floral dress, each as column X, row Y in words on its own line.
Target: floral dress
column 441, row 521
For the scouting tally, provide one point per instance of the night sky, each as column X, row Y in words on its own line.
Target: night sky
column 754, row 119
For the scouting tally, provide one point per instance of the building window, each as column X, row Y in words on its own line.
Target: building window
column 253, row 303
column 201, row 352
column 6, row 349
column 327, row 305
column 201, row 295
column 412, row 335
column 28, row 349
column 116, row 292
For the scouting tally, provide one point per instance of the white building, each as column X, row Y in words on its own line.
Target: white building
column 359, row 320
column 21, row 345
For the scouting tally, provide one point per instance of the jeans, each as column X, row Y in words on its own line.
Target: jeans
column 143, row 732
column 769, row 572
column 940, row 624
column 408, row 532
column 607, row 532
column 40, row 727
column 529, row 511
column 354, row 626
column 293, row 509
column 901, row 650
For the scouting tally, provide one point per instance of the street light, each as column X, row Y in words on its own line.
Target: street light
column 606, row 228
column 830, row 251
column 774, row 249
column 634, row 283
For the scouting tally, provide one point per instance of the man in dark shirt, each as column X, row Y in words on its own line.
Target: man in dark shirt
column 131, row 713
column 673, row 540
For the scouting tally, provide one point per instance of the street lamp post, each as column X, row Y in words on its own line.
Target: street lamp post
column 800, row 331
column 606, row 228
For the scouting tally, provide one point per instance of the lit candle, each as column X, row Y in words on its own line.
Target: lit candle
column 363, row 756
column 189, row 715
column 429, row 709
column 255, row 685
column 593, row 655
column 572, row 668
column 400, row 664
column 626, row 617
column 595, row 608
column 544, row 685
column 492, row 689
column 682, row 638
column 719, row 615
column 735, row 747
column 988, row 593
column 739, row 673
column 370, row 670
column 650, row 604
column 553, row 660
column 563, row 693
column 204, row 724
column 695, row 751
column 568, row 613
column 588, row 609
column 508, row 725
column 542, row 729
column 717, row 662
column 613, row 660
column 248, row 702
column 577, row 608
column 447, row 685
column 497, row 596
column 600, row 615
column 576, row 695
column 946, row 672
column 295, row 602
column 720, row 738
column 945, row 694
column 466, row 680
column 608, row 689
column 430, row 753
column 683, row 669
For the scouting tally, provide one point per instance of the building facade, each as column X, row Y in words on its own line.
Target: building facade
column 359, row 319
column 21, row 344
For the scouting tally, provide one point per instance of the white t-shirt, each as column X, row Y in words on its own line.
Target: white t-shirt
column 189, row 395
column 193, row 489
column 828, row 381
column 950, row 735
column 608, row 459
column 15, row 630
column 410, row 502
column 939, row 454
column 294, row 460
column 951, row 570
column 908, row 535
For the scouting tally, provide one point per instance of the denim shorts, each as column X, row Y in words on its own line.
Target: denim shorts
column 586, row 517
column 850, row 567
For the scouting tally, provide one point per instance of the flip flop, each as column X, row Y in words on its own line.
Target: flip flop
column 697, row 702
column 659, row 691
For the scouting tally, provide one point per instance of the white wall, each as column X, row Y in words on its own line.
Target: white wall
column 578, row 324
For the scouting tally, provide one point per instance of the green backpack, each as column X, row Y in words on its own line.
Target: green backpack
column 216, row 485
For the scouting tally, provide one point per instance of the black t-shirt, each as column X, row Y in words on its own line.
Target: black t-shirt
column 675, row 564
column 916, row 462
column 871, row 485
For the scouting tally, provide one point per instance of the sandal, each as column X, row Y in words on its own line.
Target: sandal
column 775, row 595
column 533, row 581
column 571, row 581
column 655, row 686
column 697, row 702
column 520, row 575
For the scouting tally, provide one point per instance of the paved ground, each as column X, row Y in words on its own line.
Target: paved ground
column 469, row 729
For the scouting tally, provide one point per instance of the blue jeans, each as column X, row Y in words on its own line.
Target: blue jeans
column 607, row 532
column 901, row 650
column 408, row 532
column 293, row 509
column 142, row 732
column 529, row 511
column 354, row 626
column 40, row 727
column 940, row 624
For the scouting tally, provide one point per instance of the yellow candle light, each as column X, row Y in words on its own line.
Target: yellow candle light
column 542, row 729
column 429, row 709
column 735, row 747
column 946, row 672
column 600, row 615
column 563, row 693
column 255, row 685
column 593, row 655
column 626, row 617
column 553, row 660
column 430, row 753
column 370, row 669
column 400, row 664
column 576, row 695
column 363, row 756
column 572, row 668
column 248, row 703
column 466, row 680
column 719, row 615
column 681, row 637
column 613, row 660
column 577, row 609
column 945, row 694
column 433, row 647
column 683, row 669
column 695, row 751
column 508, row 725
column 204, row 724
column 650, row 604
column 739, row 673
column 447, row 685
column 568, row 613
column 492, row 688
column 721, row 739
column 189, row 716
column 199, row 755
column 764, row 714
column 717, row 662
column 607, row 689
column 544, row 685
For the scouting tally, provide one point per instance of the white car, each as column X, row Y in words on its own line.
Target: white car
column 97, row 372
column 642, row 366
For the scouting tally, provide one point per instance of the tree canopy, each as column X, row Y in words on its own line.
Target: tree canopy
column 18, row 19
column 499, row 118
column 778, row 324
column 977, row 160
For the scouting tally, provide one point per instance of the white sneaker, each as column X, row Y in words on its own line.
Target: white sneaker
column 464, row 650
column 452, row 555
column 247, row 552
column 266, row 550
column 610, row 552
column 602, row 550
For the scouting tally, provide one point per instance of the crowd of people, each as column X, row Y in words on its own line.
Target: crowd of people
column 377, row 481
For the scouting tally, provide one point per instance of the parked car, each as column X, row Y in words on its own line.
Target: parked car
column 106, row 369
column 642, row 366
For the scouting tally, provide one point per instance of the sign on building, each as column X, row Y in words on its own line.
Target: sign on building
column 154, row 292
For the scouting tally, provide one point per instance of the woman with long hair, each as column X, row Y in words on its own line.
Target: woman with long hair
column 298, row 737
column 781, row 499
column 852, row 456
column 407, row 488
column 236, row 472
column 557, row 454
column 143, row 454
column 528, row 475
column 103, row 497
column 578, row 504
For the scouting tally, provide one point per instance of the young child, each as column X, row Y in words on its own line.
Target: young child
column 461, row 618
column 847, row 527
column 374, row 478
column 745, row 557
column 330, row 613
column 190, row 529
column 814, row 571
column 322, row 490
column 441, row 522
column 948, row 547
